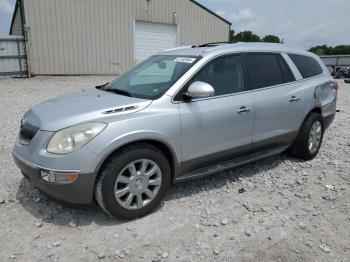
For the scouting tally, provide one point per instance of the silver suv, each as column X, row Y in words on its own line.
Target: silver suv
column 182, row 114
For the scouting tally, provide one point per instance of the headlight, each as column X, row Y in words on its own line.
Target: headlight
column 72, row 138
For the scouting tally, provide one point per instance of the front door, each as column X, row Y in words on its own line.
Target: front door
column 218, row 128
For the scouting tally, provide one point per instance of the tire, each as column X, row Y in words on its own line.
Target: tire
column 301, row 146
column 113, row 176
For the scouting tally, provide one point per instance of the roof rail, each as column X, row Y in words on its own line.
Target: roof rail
column 178, row 48
column 213, row 44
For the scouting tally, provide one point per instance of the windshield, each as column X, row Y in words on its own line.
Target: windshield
column 153, row 77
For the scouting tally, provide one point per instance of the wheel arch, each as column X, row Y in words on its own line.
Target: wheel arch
column 316, row 109
column 161, row 145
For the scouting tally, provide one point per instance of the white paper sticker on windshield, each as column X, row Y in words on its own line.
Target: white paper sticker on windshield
column 188, row 60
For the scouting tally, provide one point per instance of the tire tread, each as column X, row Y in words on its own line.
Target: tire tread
column 299, row 148
column 113, row 161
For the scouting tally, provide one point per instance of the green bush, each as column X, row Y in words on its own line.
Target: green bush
column 329, row 50
column 248, row 36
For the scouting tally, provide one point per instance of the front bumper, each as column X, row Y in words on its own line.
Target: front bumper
column 78, row 192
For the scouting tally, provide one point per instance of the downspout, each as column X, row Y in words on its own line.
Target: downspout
column 25, row 32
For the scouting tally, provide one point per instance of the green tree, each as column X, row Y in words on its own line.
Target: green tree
column 246, row 36
column 232, row 35
column 320, row 50
column 271, row 39
column 328, row 50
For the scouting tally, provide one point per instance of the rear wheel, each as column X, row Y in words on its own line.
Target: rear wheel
column 309, row 139
column 133, row 181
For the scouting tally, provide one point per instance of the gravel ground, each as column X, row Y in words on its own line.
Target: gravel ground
column 277, row 209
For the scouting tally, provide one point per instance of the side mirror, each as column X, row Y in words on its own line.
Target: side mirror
column 199, row 90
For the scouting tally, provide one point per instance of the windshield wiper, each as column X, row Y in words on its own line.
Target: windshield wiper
column 118, row 91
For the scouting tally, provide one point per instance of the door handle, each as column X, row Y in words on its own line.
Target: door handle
column 294, row 99
column 244, row 109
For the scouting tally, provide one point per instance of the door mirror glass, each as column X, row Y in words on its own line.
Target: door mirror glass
column 200, row 90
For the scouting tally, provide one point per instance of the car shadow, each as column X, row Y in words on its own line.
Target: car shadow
column 53, row 212
column 228, row 177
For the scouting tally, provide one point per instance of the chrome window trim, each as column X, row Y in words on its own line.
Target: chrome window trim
column 200, row 67
column 292, row 67
column 213, row 97
column 296, row 73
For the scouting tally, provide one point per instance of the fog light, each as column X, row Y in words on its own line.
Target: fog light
column 57, row 177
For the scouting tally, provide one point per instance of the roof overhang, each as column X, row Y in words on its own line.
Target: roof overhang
column 211, row 12
column 14, row 16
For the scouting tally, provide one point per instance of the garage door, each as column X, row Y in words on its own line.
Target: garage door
column 151, row 38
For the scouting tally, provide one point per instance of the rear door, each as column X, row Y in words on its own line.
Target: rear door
column 278, row 100
column 217, row 128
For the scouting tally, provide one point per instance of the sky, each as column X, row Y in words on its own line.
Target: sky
column 6, row 11
column 301, row 23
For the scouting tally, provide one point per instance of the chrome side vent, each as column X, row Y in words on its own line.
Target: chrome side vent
column 121, row 110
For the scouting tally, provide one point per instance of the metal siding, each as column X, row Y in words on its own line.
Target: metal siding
column 45, row 42
column 90, row 39
column 337, row 60
column 96, row 36
column 344, row 61
column 12, row 57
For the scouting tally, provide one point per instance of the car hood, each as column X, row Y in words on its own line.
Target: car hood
column 85, row 106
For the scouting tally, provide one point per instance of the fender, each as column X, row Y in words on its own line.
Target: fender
column 137, row 137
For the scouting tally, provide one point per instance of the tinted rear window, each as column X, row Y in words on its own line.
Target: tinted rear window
column 307, row 66
column 264, row 70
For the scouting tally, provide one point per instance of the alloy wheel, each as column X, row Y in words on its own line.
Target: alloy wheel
column 315, row 137
column 138, row 184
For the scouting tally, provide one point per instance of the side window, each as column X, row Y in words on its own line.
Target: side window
column 264, row 70
column 287, row 73
column 307, row 66
column 224, row 74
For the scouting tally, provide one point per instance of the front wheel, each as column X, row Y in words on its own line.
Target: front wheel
column 309, row 139
column 133, row 181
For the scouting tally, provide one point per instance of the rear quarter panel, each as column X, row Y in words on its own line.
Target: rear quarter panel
column 320, row 92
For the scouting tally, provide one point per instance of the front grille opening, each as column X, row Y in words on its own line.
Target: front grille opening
column 30, row 126
column 27, row 133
